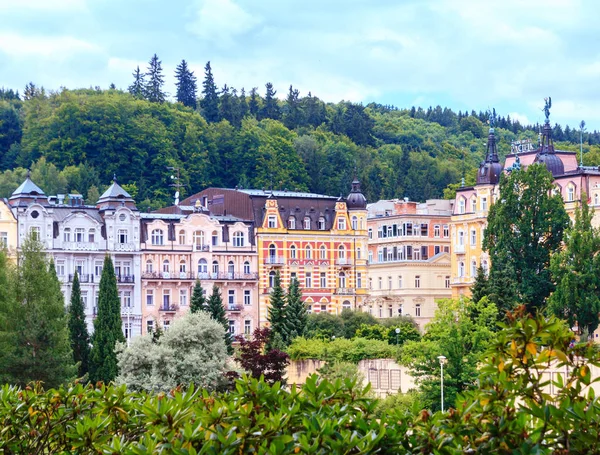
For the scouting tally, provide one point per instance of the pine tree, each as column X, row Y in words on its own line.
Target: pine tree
column 236, row 113
column 243, row 103
column 314, row 110
column 35, row 341
column 226, row 105
column 217, row 312
column 293, row 115
column 198, row 302
column 80, row 339
column 138, row 87
column 254, row 104
column 296, row 314
column 210, row 100
column 155, row 82
column 271, row 107
column 480, row 287
column 108, row 327
column 186, row 85
column 276, row 314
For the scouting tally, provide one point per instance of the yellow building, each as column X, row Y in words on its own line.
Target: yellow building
column 8, row 229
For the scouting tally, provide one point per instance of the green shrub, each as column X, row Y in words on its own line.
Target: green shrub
column 341, row 349
column 405, row 403
column 334, row 371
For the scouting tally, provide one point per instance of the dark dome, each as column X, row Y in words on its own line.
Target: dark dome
column 553, row 163
column 489, row 173
column 356, row 200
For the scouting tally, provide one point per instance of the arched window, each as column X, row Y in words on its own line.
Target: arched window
column 202, row 267
column 358, row 253
column 570, row 192
column 182, row 237
column 485, row 267
column 149, row 266
column 230, row 269
column 215, row 267
column 341, row 252
column 67, row 235
column 238, row 238
column 596, row 199
column 247, row 268
column 157, row 237
column 342, row 280
column 272, row 252
column 321, row 223
column 308, row 252
column 166, row 266
column 293, row 254
column 271, row 279
column 473, row 204
column 92, row 235
column 291, row 222
column 215, row 238
column 346, row 305
column 354, row 222
column 182, row 267
column 323, row 252
column 461, row 269
column 461, row 205
column 473, row 268
column 198, row 239
column 306, row 222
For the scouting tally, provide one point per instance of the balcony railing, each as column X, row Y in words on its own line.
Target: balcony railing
column 201, row 247
column 236, row 308
column 274, row 260
column 83, row 278
column 345, row 291
column 80, row 246
column 126, row 278
column 125, row 247
column 459, row 248
column 172, row 308
column 169, row 275
column 343, row 261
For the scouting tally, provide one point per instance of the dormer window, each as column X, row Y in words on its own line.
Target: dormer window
column 272, row 221
column 80, row 235
column 238, row 239
column 67, row 235
column 342, row 224
column 473, row 204
column 570, row 192
column 321, row 223
column 92, row 235
column 122, row 236
column 306, row 222
column 157, row 237
column 291, row 222
column 461, row 206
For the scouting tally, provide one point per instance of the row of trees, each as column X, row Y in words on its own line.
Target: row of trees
column 287, row 314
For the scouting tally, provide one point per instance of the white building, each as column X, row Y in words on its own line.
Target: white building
column 78, row 237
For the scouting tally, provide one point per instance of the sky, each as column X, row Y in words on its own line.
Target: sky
column 462, row 54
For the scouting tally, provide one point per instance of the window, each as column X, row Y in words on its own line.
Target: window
column 370, row 233
column 247, row 327
column 473, row 204
column 67, row 235
column 91, row 235
column 157, row 237
column 166, row 325
column 271, row 279
column 358, row 253
column 149, row 326
column 3, row 239
column 484, row 205
column 370, row 283
column 461, row 269
column 215, row 238
column 370, row 257
column 166, row 298
column 323, row 280
column 291, row 222
column 215, row 267
column 354, row 222
column 359, row 280
column 436, row 231
column 323, row 308
column 202, row 266
column 446, row 231
column 570, row 193
column 596, row 199
column 473, row 237
column 181, row 237
column 272, row 221
column 60, row 268
column 98, row 268
column 80, row 268
column 293, row 252
column 308, row 252
column 238, row 239
column 473, row 268
column 447, row 282
column 247, row 297
column 231, row 297
column 380, row 311
column 122, row 236
column 230, row 269
column 308, row 280
column 436, row 249
column 342, row 280
column 461, row 205
column 417, row 281
column 80, row 235
column 418, row 310
column 485, row 267
column 306, row 223
column 461, row 238
column 247, row 268
column 323, row 252
column 126, row 299
column 321, row 224
column 380, row 280
column 198, row 239
column 182, row 267
column 389, row 282
column 272, row 252
column 341, row 252
column 149, row 297
column 342, row 224
column 399, row 281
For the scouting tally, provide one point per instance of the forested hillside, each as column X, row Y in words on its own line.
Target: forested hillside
column 75, row 140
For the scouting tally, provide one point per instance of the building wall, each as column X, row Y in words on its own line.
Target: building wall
column 8, row 229
column 338, row 253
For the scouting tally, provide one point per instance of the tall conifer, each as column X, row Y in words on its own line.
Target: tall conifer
column 210, row 100
column 186, row 85
column 217, row 312
column 295, row 311
column 276, row 315
column 254, row 103
column 243, row 103
column 80, row 339
column 155, row 82
column 271, row 107
column 138, row 87
column 198, row 302
column 108, row 327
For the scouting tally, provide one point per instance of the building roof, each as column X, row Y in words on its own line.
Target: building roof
column 115, row 191
column 28, row 188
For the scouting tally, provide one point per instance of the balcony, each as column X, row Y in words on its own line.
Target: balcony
column 168, row 276
column 343, row 262
column 274, row 260
column 345, row 291
column 80, row 246
column 126, row 279
column 236, row 308
column 83, row 278
column 460, row 249
column 172, row 308
column 201, row 247
column 125, row 247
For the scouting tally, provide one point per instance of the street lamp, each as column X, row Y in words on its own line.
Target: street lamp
column 333, row 338
column 397, row 333
column 442, row 360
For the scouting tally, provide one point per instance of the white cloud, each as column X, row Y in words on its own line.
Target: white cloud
column 521, row 118
column 220, row 21
column 55, row 47
column 43, row 5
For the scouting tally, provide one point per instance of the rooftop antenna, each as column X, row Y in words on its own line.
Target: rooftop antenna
column 177, row 183
column 581, row 130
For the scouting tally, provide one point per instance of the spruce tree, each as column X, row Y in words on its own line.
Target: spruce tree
column 296, row 314
column 236, row 113
column 198, row 302
column 226, row 105
column 186, row 85
column 480, row 287
column 217, row 312
column 254, row 103
column 108, row 327
column 293, row 115
column 155, row 82
column 276, row 315
column 35, row 341
column 271, row 107
column 80, row 339
column 210, row 100
column 243, row 104
column 138, row 87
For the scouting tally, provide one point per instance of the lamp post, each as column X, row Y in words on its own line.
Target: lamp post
column 333, row 338
column 397, row 334
column 442, row 360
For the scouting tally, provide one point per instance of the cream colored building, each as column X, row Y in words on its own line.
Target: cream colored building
column 8, row 229
column 409, row 258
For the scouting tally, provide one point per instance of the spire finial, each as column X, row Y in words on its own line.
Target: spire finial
column 115, row 177
column 492, row 118
column 547, row 106
column 28, row 173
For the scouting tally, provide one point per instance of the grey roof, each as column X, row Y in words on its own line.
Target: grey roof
column 115, row 191
column 162, row 216
column 275, row 193
column 28, row 187
column 61, row 213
